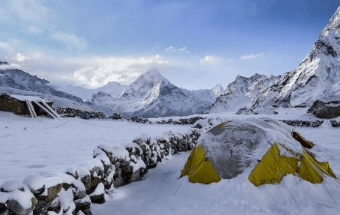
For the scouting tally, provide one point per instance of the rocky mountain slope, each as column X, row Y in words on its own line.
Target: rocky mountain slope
column 152, row 95
column 114, row 89
column 242, row 92
column 20, row 80
column 317, row 77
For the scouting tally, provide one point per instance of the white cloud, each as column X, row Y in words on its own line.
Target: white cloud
column 210, row 59
column 6, row 46
column 34, row 30
column 21, row 58
column 28, row 11
column 98, row 71
column 170, row 48
column 180, row 50
column 70, row 40
column 10, row 66
column 251, row 57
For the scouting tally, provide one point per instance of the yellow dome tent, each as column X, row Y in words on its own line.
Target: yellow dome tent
column 229, row 148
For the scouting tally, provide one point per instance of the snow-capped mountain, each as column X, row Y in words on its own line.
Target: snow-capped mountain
column 115, row 89
column 152, row 95
column 242, row 92
column 209, row 95
column 218, row 90
column 316, row 78
column 18, row 79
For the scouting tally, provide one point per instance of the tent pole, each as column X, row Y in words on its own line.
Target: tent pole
column 34, row 113
column 45, row 109
column 29, row 109
column 50, row 109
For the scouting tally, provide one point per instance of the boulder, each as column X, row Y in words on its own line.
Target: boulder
column 21, row 202
column 324, row 110
column 83, row 204
column 98, row 195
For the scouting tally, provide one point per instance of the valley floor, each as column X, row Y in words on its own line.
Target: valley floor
column 43, row 145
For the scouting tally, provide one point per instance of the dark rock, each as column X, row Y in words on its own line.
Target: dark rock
column 15, row 207
column 52, row 192
column 83, row 204
column 301, row 123
column 98, row 199
column 198, row 126
column 41, row 208
column 335, row 123
column 3, row 209
column 70, row 112
column 90, row 183
column 327, row 110
column 116, row 116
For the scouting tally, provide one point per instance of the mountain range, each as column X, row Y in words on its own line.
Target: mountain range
column 317, row 77
column 151, row 94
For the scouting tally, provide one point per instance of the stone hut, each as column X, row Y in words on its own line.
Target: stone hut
column 27, row 105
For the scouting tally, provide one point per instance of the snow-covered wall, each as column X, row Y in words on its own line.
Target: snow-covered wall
column 74, row 191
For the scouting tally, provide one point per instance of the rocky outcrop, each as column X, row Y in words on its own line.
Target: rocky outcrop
column 324, row 110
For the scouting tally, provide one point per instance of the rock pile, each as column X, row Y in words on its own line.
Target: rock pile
column 74, row 191
column 70, row 112
column 301, row 123
column 187, row 121
column 137, row 119
column 335, row 123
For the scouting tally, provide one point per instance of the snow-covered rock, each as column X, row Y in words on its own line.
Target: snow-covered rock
column 242, row 92
column 316, row 78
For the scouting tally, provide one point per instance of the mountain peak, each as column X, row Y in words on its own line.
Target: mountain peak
column 3, row 63
column 218, row 90
column 153, row 74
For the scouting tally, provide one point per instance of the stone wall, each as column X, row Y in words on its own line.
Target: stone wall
column 302, row 123
column 74, row 191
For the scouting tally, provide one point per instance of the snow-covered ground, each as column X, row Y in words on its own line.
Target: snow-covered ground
column 162, row 192
column 43, row 145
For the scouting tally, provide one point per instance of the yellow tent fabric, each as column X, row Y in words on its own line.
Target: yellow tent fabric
column 311, row 170
column 199, row 169
column 272, row 167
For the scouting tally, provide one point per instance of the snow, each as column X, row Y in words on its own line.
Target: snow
column 41, row 145
column 29, row 98
column 99, row 190
column 162, row 192
column 11, row 185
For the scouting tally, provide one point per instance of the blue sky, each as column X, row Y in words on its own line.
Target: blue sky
column 195, row 44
